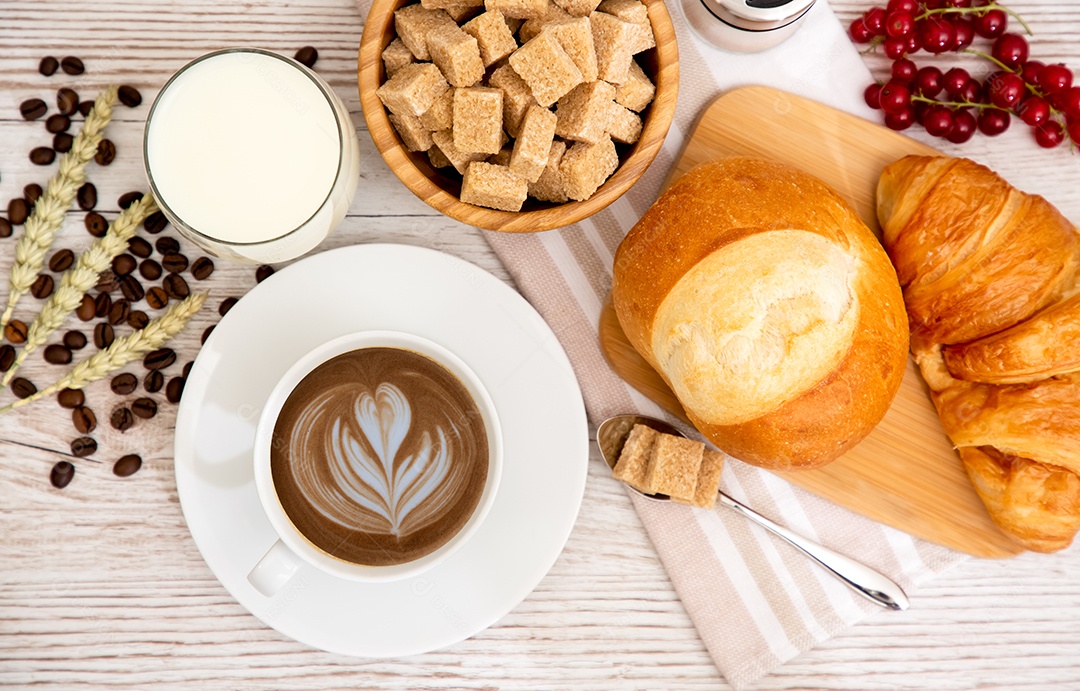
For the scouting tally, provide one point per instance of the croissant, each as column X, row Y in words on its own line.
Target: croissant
column 991, row 282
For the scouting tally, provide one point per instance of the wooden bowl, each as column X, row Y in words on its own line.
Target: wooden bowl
column 441, row 190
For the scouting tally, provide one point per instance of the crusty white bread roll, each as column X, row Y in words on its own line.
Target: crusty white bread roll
column 768, row 307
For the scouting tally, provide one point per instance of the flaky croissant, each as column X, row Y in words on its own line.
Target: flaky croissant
column 991, row 281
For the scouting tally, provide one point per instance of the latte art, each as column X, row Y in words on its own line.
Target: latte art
column 379, row 456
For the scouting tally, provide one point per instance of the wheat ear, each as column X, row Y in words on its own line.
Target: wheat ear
column 122, row 351
column 50, row 208
column 81, row 278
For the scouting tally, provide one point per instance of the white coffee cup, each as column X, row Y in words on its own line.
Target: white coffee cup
column 292, row 550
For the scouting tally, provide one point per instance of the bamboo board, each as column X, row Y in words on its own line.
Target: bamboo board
column 906, row 473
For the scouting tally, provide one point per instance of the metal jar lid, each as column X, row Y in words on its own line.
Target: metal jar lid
column 758, row 15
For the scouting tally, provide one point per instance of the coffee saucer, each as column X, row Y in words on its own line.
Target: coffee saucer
column 467, row 311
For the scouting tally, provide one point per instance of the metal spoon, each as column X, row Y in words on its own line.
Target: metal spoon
column 610, row 437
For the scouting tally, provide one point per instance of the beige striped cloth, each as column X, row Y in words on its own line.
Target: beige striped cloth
column 755, row 601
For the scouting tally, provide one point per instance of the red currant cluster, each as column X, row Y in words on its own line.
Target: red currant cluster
column 1041, row 95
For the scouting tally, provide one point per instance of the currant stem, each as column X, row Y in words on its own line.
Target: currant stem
column 978, row 10
column 957, row 104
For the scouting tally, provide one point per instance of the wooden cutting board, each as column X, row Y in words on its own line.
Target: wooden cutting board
column 906, row 473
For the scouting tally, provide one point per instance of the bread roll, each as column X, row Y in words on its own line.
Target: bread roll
column 768, row 307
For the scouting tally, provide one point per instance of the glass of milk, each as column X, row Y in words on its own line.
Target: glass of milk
column 251, row 155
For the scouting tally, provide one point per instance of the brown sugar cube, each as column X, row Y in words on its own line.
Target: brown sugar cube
column 575, row 37
column 633, row 464
column 492, row 35
column 440, row 116
column 586, row 166
column 531, row 148
column 517, row 97
column 674, row 464
column 578, row 8
column 478, row 120
column 614, row 41
column 413, row 89
column 437, row 157
column 519, row 9
column 551, row 187
column 413, row 134
column 637, row 92
column 395, row 56
column 502, row 158
column 634, row 12
column 708, row 480
column 457, row 54
column 546, row 68
column 495, row 187
column 444, row 139
column 413, row 23
column 457, row 9
column 624, row 126
column 584, row 113
column 532, row 27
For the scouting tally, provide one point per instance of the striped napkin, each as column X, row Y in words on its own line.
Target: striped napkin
column 755, row 601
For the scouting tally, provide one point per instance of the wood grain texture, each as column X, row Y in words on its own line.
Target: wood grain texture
column 101, row 585
column 441, row 189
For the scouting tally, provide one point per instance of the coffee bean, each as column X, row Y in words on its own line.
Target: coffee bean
column 307, row 56
column 84, row 419
column 150, row 270
column 76, row 340
column 62, row 474
column 42, row 287
column 7, row 357
column 33, row 108
column 67, row 100
column 57, row 123
column 159, row 359
column 102, row 305
column 96, row 224
column 144, row 408
column 124, row 383
column 155, row 223
column 140, row 247
column 22, row 387
column 129, row 96
column 263, row 272
column 70, row 398
column 206, row 334
column 32, row 193
column 48, row 66
column 157, row 298
column 167, row 245
column 138, row 319
column 108, row 282
column 56, row 354
column 176, row 286
column 119, row 312
column 62, row 143
column 123, row 264
column 174, row 390
column 85, row 107
column 18, row 211
column 72, row 65
column 104, row 335
column 106, row 152
column 127, row 465
column 61, row 260
column 201, row 268
column 87, row 196
column 187, row 369
column 83, row 447
column 131, row 288
column 174, row 262
column 5, row 228
column 42, row 156
column 226, row 305
column 15, row 331
column 122, row 419
column 153, row 382
column 86, row 309
column 128, row 198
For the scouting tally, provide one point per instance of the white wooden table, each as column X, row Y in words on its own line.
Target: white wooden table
column 101, row 584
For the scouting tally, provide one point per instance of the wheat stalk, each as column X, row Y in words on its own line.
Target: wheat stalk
column 81, row 278
column 49, row 210
column 122, row 351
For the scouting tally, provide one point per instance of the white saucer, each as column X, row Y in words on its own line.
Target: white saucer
column 471, row 313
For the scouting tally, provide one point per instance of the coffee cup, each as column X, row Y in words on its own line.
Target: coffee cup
column 377, row 456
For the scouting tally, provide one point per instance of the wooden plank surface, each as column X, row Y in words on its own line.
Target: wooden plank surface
column 101, row 585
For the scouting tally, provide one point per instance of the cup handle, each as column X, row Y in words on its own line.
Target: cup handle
column 274, row 570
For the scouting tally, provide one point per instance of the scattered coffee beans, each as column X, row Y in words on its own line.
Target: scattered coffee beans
column 62, row 474
column 131, row 288
column 57, row 123
column 206, row 334
column 56, row 354
column 33, row 108
column 48, row 66
column 62, row 143
column 127, row 465
column 144, row 408
column 122, row 419
column 155, row 223
column 107, row 281
column 75, row 340
column 154, row 381
column 140, row 247
column 187, row 369
column 96, row 224
column 128, row 198
column 104, row 335
column 175, row 286
column 85, row 107
column 129, row 96
column 118, row 313
column 70, row 398
column 86, row 309
column 23, row 387
column 123, row 264
column 106, row 152
column 87, row 196
column 138, row 319
column 42, row 156
column 159, row 359
column 124, row 383
column 226, row 305
column 84, row 419
column 201, row 268
column 7, row 357
column 157, row 298
column 42, row 287
column 5, row 228
column 150, row 270
column 167, row 244
column 83, row 447
column 174, row 389
column 102, row 303
column 18, row 211
column 174, row 262
column 32, row 193
column 61, row 260
column 67, row 101
column 307, row 56
column 72, row 65
column 15, row 331
column 263, row 272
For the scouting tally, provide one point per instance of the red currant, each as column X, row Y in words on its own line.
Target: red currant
column 955, row 79
column 965, row 33
column 936, row 35
column 958, row 3
column 1070, row 102
column 934, row 4
column 1006, row 89
column 992, row 24
column 901, row 119
column 910, row 6
column 1074, row 132
column 896, row 48
column 894, row 97
column 1034, row 111
column 938, row 120
column 928, row 81
column 872, row 96
column 1055, row 78
column 1031, row 70
column 859, row 32
column 899, row 24
column 993, row 122
column 1049, row 134
column 963, row 127
column 875, row 21
column 904, row 71
column 1011, row 50
column 971, row 92
column 913, row 45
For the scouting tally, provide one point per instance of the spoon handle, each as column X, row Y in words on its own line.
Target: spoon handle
column 861, row 578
